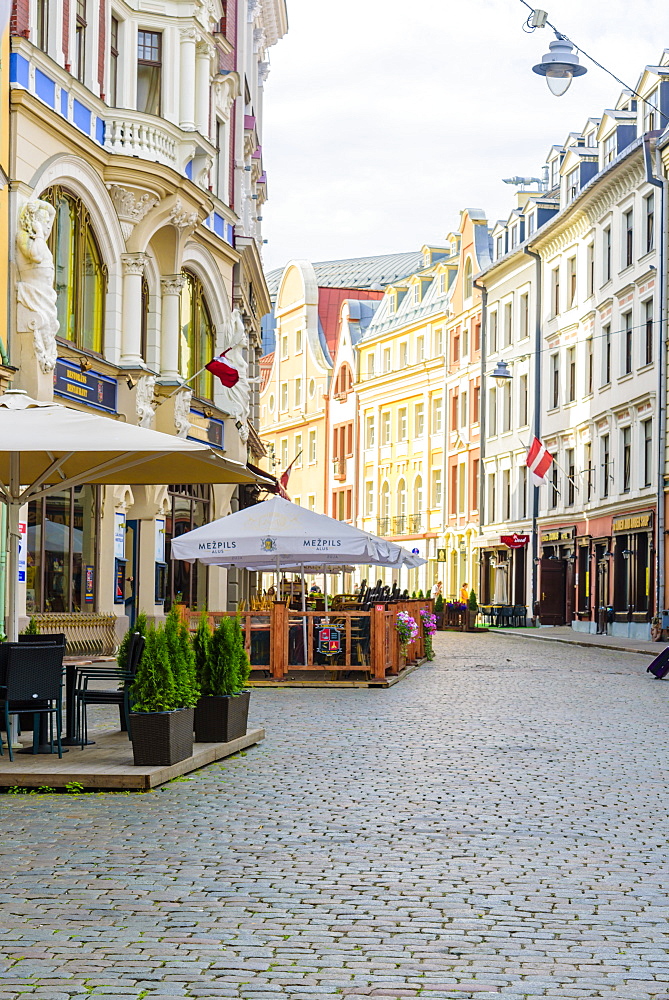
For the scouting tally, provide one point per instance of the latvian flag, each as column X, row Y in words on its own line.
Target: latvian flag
column 538, row 461
column 227, row 376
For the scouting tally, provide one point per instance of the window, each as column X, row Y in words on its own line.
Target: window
column 113, row 61
column 297, row 500
column 387, row 359
column 628, row 343
column 369, row 498
column 506, row 494
column 418, row 497
column 571, row 282
column 454, row 409
column 523, row 407
column 492, row 334
column 455, row 353
column 628, row 237
column 492, row 412
column 572, row 184
column 149, row 71
column 223, row 160
column 284, row 347
column 80, row 40
column 589, row 479
column 555, row 291
column 508, row 320
column 506, row 407
column 650, row 114
column 311, row 502
column 571, row 472
column 554, row 491
column 312, row 447
column 606, row 462
column 590, row 269
column 420, row 349
column 531, row 223
column 476, row 465
column 477, row 335
column 647, row 441
column 385, row 427
column 492, row 498
column 514, row 237
column 419, row 419
column 524, row 316
column 385, row 504
column 442, row 282
column 436, row 488
column 626, row 447
column 648, row 338
column 402, row 429
column 284, row 396
column 469, row 287
column 462, row 487
column 555, row 172
column 571, row 374
column 437, row 404
column 610, row 148
column 370, row 366
column 416, row 293
column 606, row 354
column 298, row 451
column 606, row 256
column 499, row 247
column 589, row 366
column 464, row 403
column 465, row 340
column 81, row 277
column 284, row 454
column 649, row 212
column 404, row 355
column 438, row 343
column 298, row 341
column 555, row 381
column 476, row 405
column 522, row 490
column 42, row 25
column 370, row 432
column 298, row 393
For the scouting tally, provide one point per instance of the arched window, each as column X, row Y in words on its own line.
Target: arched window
column 344, row 381
column 81, row 277
column 401, row 498
column 196, row 340
column 469, row 285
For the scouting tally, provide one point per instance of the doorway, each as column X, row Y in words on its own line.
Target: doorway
column 131, row 589
column 553, row 592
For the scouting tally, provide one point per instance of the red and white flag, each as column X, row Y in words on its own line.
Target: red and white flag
column 283, row 480
column 227, row 376
column 538, row 461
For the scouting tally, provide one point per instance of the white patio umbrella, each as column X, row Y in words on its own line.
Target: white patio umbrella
column 47, row 445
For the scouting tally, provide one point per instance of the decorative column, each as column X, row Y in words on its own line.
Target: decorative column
column 187, row 80
column 169, row 348
column 202, row 87
column 131, row 330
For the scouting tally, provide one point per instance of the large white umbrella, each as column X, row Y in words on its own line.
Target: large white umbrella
column 278, row 534
column 47, row 445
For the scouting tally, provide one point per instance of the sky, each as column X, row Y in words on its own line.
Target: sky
column 385, row 118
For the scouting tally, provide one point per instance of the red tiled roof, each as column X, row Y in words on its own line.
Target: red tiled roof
column 329, row 307
column 265, row 363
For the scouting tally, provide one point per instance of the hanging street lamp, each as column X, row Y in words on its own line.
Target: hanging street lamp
column 560, row 65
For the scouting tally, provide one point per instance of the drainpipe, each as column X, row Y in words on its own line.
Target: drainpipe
column 661, row 389
column 536, row 424
column 483, row 409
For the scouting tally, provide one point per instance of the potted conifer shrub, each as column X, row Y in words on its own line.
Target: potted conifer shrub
column 439, row 610
column 223, row 670
column 163, row 696
column 472, row 612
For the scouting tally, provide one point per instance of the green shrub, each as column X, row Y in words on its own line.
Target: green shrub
column 421, row 595
column 154, row 689
column 438, row 604
column 472, row 603
column 222, row 675
column 413, row 595
column 243, row 662
column 139, row 626
column 31, row 628
column 201, row 650
column 190, row 681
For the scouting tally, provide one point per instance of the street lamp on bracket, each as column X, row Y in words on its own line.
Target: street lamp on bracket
column 559, row 65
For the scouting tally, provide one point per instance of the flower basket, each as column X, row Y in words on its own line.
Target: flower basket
column 221, row 718
column 161, row 738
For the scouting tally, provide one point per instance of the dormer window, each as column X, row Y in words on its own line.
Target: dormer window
column 416, row 294
column 514, row 236
column 572, row 184
column 610, row 149
column 531, row 223
column 651, row 116
column 555, row 173
column 499, row 247
column 442, row 283
column 591, row 140
column 392, row 302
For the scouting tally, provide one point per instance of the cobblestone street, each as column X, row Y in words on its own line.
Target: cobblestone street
column 495, row 825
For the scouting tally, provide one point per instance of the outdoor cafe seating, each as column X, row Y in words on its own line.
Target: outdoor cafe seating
column 503, row 615
column 31, row 683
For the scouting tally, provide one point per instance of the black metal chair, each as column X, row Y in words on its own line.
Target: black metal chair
column 32, row 681
column 86, row 696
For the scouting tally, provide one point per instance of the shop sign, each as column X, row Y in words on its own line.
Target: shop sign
column 23, row 534
column 99, row 391
column 89, row 584
column 515, row 541
column 119, row 535
column 634, row 522
column 558, row 535
column 329, row 640
column 206, row 429
column 160, row 539
column 442, row 555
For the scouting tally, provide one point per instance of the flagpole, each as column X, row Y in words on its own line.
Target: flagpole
column 182, row 386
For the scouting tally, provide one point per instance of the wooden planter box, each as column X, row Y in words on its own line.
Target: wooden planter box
column 469, row 620
column 161, row 738
column 221, row 718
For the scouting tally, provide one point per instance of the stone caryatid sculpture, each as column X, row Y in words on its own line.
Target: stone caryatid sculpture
column 37, row 310
column 182, row 402
column 144, row 403
column 237, row 400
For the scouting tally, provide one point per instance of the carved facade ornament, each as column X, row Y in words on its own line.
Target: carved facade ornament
column 182, row 219
column 253, row 10
column 182, row 402
column 263, row 72
column 226, row 89
column 134, row 263
column 144, row 402
column 189, row 34
column 37, row 311
column 202, row 176
column 172, row 284
column 130, row 206
column 258, row 39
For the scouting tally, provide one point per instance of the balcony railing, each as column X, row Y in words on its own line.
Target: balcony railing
column 405, row 524
column 339, row 468
column 141, row 135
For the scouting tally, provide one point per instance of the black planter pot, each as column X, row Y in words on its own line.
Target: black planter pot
column 221, row 718
column 161, row 738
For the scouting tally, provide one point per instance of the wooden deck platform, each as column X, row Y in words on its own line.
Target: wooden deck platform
column 323, row 682
column 109, row 764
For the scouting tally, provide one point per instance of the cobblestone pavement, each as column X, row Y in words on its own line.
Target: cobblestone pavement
column 493, row 826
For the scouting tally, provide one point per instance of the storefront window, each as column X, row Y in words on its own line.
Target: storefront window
column 186, row 583
column 61, row 558
column 196, row 343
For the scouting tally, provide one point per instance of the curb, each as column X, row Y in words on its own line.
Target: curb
column 578, row 642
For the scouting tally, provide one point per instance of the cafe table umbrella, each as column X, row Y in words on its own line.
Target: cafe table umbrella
column 45, row 445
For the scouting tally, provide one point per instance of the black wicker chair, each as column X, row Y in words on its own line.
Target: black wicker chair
column 85, row 695
column 32, row 681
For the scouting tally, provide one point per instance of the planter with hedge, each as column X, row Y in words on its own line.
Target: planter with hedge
column 163, row 697
column 439, row 610
column 472, row 612
column 223, row 669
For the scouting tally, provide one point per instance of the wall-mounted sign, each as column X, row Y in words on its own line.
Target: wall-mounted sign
column 119, row 582
column 89, row 585
column 206, row 429
column 515, row 541
column 634, row 522
column 119, row 535
column 99, row 391
column 329, row 640
column 23, row 535
column 442, row 555
column 558, row 535
column 160, row 539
